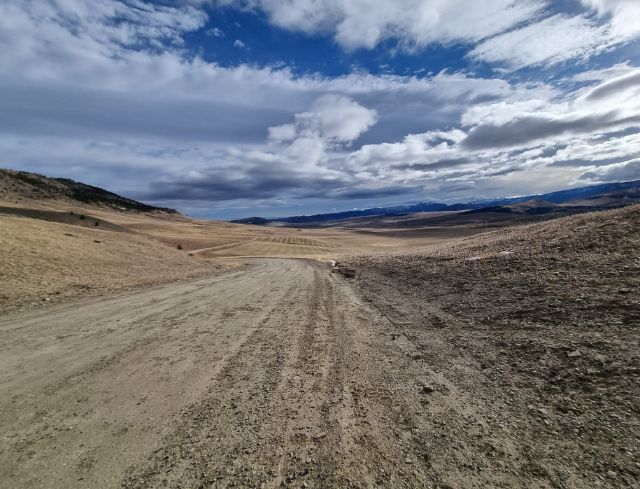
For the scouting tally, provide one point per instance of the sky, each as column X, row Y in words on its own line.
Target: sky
column 235, row 108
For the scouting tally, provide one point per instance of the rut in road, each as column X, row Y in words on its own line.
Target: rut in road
column 281, row 411
column 277, row 374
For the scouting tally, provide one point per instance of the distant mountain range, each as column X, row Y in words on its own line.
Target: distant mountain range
column 560, row 197
column 25, row 186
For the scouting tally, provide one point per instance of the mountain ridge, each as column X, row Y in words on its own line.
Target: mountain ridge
column 19, row 185
column 556, row 197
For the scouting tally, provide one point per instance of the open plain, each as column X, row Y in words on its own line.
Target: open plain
column 154, row 350
column 320, row 244
column 56, row 247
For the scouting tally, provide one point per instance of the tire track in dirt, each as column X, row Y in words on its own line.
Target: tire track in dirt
column 290, row 408
column 105, row 409
column 227, row 435
column 277, row 375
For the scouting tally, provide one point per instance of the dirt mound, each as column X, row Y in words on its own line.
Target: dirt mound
column 540, row 326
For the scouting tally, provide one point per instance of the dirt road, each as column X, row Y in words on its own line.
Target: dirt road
column 255, row 377
column 276, row 374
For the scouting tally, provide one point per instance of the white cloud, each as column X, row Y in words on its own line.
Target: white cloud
column 594, row 151
column 215, row 32
column 239, row 44
column 626, row 171
column 331, row 121
column 515, row 33
column 561, row 37
column 604, row 73
column 553, row 40
column 123, row 103
column 424, row 150
column 597, row 126
column 335, row 118
column 282, row 133
column 366, row 23
column 625, row 15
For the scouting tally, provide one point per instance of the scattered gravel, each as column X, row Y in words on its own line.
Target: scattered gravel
column 545, row 339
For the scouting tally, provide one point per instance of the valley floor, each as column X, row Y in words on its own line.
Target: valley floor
column 508, row 361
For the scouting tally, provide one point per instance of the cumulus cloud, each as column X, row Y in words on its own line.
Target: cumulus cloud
column 331, row 117
column 111, row 86
column 301, row 154
column 594, row 127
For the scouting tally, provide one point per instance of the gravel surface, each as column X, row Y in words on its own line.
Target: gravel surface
column 273, row 375
column 538, row 328
column 507, row 360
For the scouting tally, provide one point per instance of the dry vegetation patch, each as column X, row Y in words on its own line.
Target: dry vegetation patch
column 44, row 262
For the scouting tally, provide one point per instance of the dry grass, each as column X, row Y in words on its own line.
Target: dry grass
column 44, row 262
column 50, row 253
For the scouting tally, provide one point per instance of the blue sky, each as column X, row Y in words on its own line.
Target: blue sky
column 232, row 108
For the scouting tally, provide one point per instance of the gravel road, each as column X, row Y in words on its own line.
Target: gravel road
column 265, row 375
column 278, row 374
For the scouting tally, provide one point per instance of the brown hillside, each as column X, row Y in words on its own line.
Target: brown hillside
column 534, row 333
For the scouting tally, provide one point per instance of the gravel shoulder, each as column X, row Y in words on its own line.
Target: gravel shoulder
column 530, row 340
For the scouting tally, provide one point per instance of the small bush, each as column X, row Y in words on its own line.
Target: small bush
column 179, row 246
column 81, row 216
column 96, row 223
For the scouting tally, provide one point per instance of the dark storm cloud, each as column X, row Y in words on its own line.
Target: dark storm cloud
column 526, row 129
column 51, row 111
column 614, row 87
column 263, row 184
column 219, row 185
